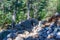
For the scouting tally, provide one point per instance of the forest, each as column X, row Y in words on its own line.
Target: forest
column 29, row 19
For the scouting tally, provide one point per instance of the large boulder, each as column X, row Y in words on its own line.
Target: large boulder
column 27, row 24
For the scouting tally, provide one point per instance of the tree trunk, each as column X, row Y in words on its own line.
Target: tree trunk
column 28, row 9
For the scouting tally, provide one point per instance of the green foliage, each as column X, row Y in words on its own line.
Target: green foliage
column 7, row 7
column 58, row 6
column 43, row 14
